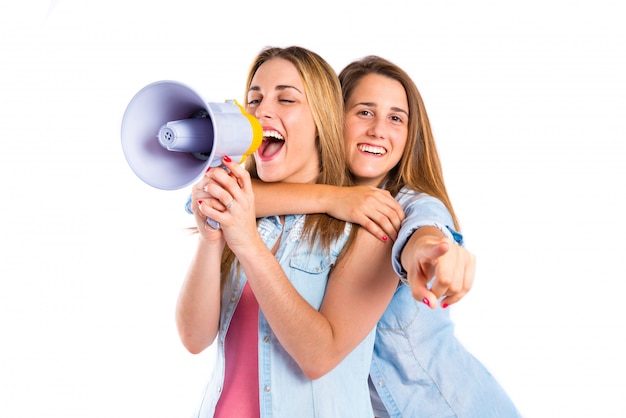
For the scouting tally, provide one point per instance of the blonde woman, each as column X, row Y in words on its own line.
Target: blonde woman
column 291, row 301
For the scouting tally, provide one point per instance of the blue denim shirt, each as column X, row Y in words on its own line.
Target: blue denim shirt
column 284, row 391
column 419, row 368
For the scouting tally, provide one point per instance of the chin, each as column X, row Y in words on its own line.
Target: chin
column 270, row 176
column 366, row 174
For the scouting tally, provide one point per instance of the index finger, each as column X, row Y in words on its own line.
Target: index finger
column 237, row 171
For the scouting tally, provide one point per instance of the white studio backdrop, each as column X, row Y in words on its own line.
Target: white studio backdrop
column 527, row 101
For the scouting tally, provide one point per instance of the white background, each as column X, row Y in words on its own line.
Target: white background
column 528, row 104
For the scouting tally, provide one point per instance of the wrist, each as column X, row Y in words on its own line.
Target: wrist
column 210, row 243
column 249, row 248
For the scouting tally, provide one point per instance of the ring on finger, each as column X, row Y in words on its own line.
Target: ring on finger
column 230, row 204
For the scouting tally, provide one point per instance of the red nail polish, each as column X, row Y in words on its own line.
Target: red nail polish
column 444, row 306
column 426, row 302
column 207, row 170
column 199, row 202
column 227, row 158
column 385, row 238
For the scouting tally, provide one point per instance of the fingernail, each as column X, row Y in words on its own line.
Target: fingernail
column 426, row 301
column 199, row 202
column 207, row 170
column 444, row 305
column 227, row 158
column 385, row 238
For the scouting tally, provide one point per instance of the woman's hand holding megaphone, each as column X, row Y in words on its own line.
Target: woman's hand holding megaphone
column 225, row 195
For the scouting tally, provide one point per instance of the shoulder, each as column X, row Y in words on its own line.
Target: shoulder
column 422, row 209
column 411, row 199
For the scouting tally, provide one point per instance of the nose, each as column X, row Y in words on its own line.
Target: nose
column 376, row 128
column 263, row 110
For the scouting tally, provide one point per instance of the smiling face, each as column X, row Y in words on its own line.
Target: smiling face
column 376, row 127
column 277, row 98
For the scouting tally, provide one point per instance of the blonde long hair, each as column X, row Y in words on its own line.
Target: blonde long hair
column 420, row 167
column 323, row 93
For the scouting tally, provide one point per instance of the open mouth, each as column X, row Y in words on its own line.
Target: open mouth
column 272, row 143
column 372, row 149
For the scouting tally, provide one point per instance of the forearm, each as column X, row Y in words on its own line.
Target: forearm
column 301, row 329
column 357, row 293
column 372, row 208
column 198, row 305
column 291, row 198
column 417, row 239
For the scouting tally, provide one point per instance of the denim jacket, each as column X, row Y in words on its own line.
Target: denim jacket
column 284, row 391
column 419, row 368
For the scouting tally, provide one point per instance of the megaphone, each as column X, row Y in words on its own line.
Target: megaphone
column 171, row 136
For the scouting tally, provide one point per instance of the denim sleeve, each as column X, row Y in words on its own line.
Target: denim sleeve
column 420, row 210
column 188, row 205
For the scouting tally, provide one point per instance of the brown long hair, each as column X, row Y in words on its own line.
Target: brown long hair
column 420, row 167
column 323, row 92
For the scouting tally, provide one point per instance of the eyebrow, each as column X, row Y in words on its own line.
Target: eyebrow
column 279, row 87
column 398, row 109
column 372, row 104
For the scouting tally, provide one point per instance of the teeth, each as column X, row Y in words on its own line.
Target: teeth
column 272, row 134
column 373, row 150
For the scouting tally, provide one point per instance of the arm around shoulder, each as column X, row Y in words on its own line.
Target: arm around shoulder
column 372, row 208
column 290, row 198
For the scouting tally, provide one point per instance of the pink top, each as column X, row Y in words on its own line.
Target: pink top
column 240, row 395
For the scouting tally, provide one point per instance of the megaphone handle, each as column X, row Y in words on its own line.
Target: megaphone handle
column 213, row 223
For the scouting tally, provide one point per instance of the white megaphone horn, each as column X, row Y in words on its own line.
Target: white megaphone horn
column 171, row 136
